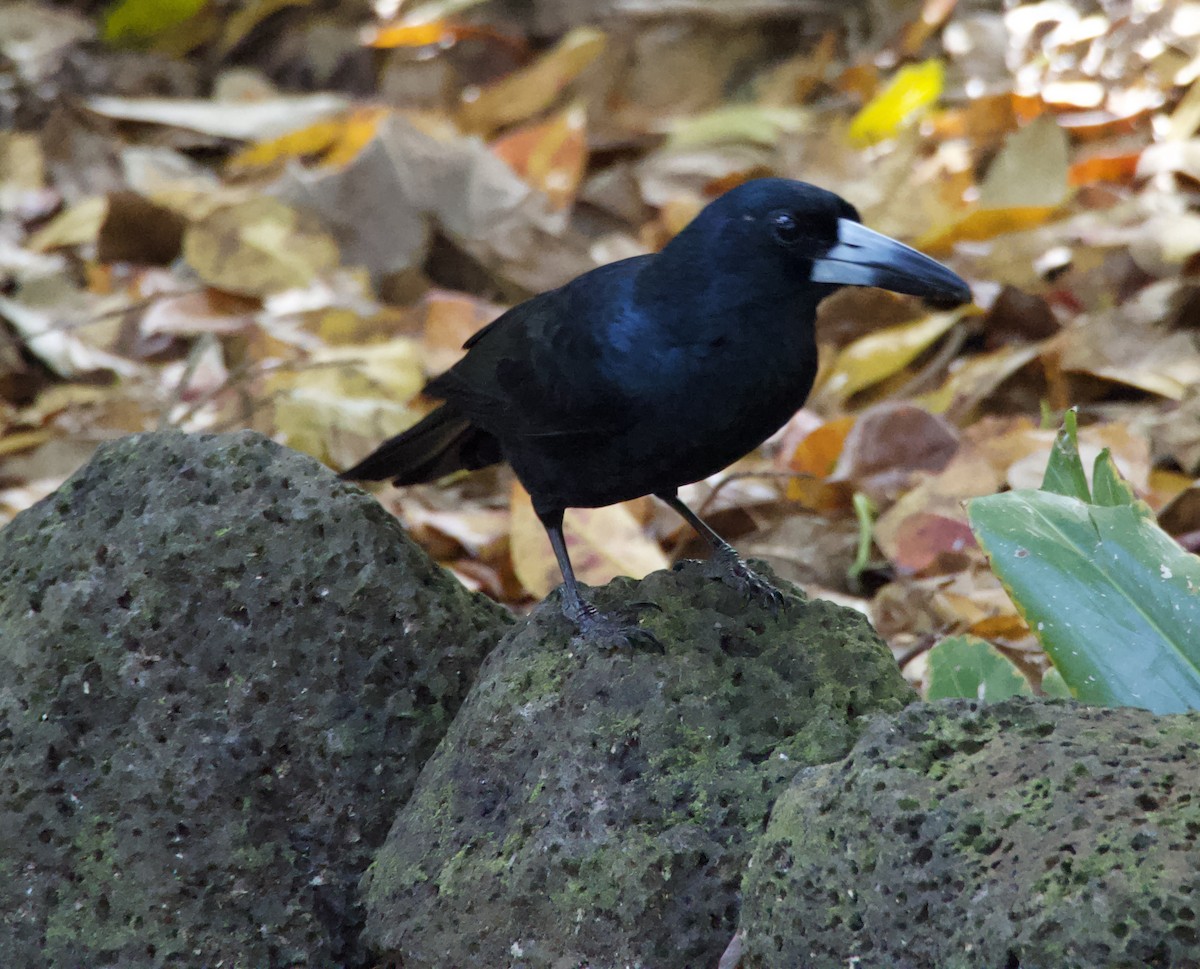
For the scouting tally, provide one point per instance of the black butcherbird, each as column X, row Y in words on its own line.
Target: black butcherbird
column 657, row 371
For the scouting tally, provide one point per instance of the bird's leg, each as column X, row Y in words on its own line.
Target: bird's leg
column 726, row 564
column 576, row 608
column 591, row 623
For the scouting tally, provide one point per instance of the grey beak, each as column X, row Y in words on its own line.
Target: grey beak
column 862, row 257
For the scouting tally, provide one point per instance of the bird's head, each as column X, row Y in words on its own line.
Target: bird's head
column 795, row 234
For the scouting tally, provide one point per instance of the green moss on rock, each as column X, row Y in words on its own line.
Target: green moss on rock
column 1025, row 834
column 592, row 807
column 220, row 671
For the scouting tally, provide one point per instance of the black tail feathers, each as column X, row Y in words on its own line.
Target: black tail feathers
column 441, row 443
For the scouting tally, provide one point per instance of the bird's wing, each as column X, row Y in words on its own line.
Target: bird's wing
column 534, row 372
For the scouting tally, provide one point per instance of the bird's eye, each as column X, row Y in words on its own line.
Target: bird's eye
column 785, row 227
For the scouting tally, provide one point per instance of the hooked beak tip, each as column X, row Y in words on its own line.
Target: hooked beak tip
column 863, row 257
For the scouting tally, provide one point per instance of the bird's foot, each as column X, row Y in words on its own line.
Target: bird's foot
column 730, row 569
column 609, row 632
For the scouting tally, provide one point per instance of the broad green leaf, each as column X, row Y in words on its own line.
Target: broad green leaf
column 966, row 666
column 1113, row 599
column 1064, row 470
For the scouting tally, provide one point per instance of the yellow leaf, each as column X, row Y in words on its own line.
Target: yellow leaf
column 78, row 225
column 360, row 391
column 337, row 140
column 258, row 247
column 19, row 441
column 972, row 380
column 1185, row 119
column 531, row 90
column 913, row 89
column 22, row 162
column 881, row 354
column 301, row 143
column 603, row 542
column 983, row 224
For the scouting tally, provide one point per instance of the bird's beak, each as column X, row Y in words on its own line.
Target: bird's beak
column 862, row 257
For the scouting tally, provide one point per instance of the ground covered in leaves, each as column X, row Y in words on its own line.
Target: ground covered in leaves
column 286, row 215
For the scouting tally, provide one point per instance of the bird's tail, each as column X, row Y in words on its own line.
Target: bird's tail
column 444, row 441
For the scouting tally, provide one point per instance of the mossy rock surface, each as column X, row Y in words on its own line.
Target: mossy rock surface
column 220, row 672
column 1024, row 835
column 597, row 808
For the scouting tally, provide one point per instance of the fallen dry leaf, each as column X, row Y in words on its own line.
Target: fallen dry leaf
column 602, row 542
column 883, row 353
column 532, row 89
column 258, row 247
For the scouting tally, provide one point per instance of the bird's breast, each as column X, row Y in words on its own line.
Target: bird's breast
column 713, row 403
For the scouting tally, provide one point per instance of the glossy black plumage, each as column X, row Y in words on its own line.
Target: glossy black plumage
column 653, row 372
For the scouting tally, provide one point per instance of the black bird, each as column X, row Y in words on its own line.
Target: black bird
column 657, row 371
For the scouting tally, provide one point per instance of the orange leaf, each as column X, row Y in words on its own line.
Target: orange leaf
column 984, row 119
column 818, row 452
column 440, row 32
column 1105, row 168
column 301, row 143
column 816, row 456
column 410, row 35
column 1027, row 107
column 860, row 80
column 985, row 224
column 450, row 320
column 1009, row 626
column 550, row 155
column 1102, row 125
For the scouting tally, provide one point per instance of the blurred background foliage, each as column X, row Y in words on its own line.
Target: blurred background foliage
column 286, row 214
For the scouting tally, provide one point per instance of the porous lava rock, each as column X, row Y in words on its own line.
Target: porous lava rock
column 1024, row 835
column 597, row 808
column 220, row 671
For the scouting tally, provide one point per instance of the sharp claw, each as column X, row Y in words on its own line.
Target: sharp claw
column 613, row 633
column 610, row 632
column 726, row 566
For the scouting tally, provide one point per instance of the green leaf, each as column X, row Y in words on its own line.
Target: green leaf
column 966, row 666
column 1113, row 599
column 864, row 511
column 1064, row 471
column 1108, row 487
column 1054, row 685
column 139, row 21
